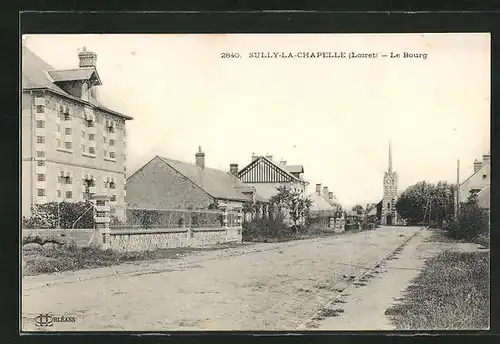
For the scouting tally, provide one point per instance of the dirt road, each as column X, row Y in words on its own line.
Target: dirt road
column 253, row 287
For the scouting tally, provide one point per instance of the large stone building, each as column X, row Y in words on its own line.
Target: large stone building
column 389, row 215
column 72, row 145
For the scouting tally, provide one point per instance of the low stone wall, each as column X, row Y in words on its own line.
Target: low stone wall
column 144, row 240
column 81, row 237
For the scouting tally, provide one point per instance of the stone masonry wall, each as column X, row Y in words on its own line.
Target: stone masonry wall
column 144, row 240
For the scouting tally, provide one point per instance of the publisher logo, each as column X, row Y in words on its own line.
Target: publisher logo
column 47, row 320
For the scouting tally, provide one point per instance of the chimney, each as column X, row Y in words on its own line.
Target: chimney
column 270, row 157
column 200, row 158
column 283, row 162
column 87, row 58
column 486, row 159
column 325, row 190
column 330, row 195
column 233, row 169
column 254, row 157
column 477, row 165
column 318, row 189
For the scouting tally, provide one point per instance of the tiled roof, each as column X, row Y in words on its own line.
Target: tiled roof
column 36, row 74
column 72, row 74
column 294, row 168
column 218, row 184
column 319, row 203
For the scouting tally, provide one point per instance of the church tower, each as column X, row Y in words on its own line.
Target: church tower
column 389, row 215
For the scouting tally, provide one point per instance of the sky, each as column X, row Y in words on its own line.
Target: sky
column 335, row 117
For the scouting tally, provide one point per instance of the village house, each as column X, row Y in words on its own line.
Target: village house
column 163, row 184
column 323, row 204
column 73, row 147
column 478, row 183
column 266, row 176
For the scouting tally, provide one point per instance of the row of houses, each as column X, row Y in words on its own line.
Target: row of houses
column 74, row 148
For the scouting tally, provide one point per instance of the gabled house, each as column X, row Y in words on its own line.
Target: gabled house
column 266, row 176
column 321, row 205
column 477, row 182
column 165, row 183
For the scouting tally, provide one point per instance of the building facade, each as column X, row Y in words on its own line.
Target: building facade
column 389, row 215
column 72, row 147
column 166, row 184
column 478, row 181
column 266, row 176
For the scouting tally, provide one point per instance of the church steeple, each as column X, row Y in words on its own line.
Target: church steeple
column 390, row 157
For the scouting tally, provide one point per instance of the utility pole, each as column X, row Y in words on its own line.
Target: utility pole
column 457, row 191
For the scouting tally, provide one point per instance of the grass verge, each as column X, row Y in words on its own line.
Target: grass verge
column 451, row 293
column 70, row 257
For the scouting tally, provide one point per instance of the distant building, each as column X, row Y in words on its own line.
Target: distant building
column 389, row 215
column 478, row 183
column 322, row 205
column 72, row 145
column 266, row 176
column 165, row 183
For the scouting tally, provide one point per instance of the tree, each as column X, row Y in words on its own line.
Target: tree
column 292, row 203
column 358, row 209
column 414, row 201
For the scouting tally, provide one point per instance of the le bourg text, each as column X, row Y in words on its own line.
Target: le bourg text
column 337, row 55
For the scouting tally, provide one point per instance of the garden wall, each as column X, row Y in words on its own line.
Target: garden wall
column 151, row 239
column 81, row 237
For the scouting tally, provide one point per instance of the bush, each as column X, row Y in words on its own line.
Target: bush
column 50, row 215
column 472, row 223
column 259, row 229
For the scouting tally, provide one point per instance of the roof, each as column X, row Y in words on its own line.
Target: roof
column 74, row 74
column 320, row 203
column 483, row 167
column 216, row 183
column 294, row 168
column 37, row 74
column 280, row 166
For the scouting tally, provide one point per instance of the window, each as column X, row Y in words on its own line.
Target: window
column 61, row 108
column 83, row 148
column 40, row 162
column 111, row 129
column 40, row 154
column 83, row 134
column 113, row 198
column 58, row 128
column 68, row 145
column 90, row 124
column 105, row 184
column 40, row 109
column 41, row 177
column 58, row 193
column 105, row 153
column 111, row 185
column 67, row 117
column 484, row 176
column 41, row 192
column 40, row 124
column 67, row 131
column 112, row 155
column 40, row 139
column 91, row 137
column 91, row 150
column 69, row 194
column 67, row 180
column 111, row 142
column 106, row 140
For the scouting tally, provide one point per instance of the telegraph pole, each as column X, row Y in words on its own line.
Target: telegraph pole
column 457, row 191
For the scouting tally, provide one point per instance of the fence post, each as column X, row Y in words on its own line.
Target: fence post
column 102, row 220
